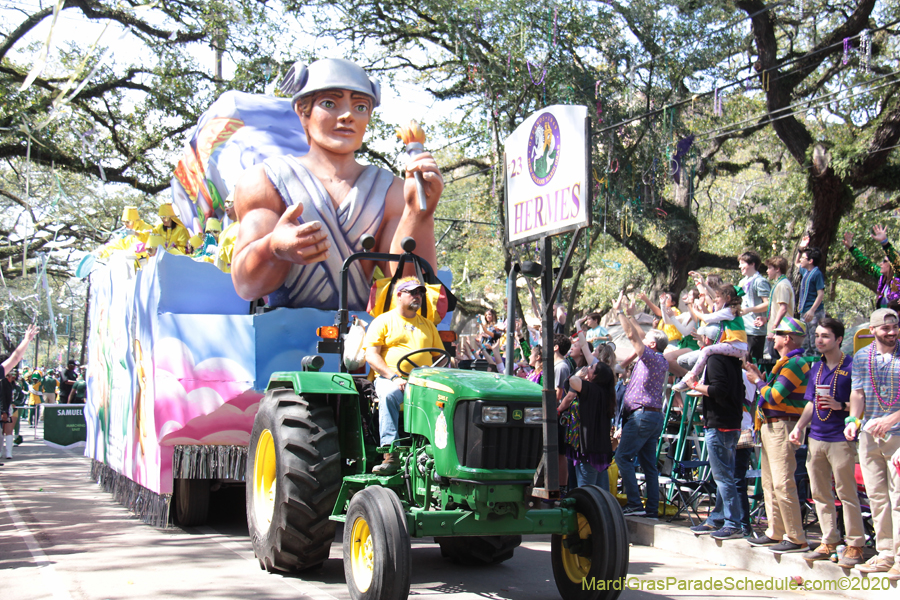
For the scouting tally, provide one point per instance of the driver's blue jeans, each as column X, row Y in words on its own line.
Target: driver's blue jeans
column 390, row 398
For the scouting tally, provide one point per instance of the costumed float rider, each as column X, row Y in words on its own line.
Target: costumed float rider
column 225, row 253
column 887, row 270
column 301, row 217
column 210, row 245
column 195, row 245
column 136, row 232
column 174, row 233
column 389, row 337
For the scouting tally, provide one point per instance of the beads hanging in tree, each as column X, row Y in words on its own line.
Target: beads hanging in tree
column 543, row 74
column 846, row 57
column 865, row 42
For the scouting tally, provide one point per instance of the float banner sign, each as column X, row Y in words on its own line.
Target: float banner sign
column 547, row 166
column 64, row 424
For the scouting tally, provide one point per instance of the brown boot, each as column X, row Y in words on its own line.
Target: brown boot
column 389, row 466
column 851, row 557
column 823, row 552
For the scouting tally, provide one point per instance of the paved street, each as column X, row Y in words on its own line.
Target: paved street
column 63, row 537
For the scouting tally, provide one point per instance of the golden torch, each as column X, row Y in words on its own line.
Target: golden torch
column 414, row 138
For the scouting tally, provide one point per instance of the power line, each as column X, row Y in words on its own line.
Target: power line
column 469, row 175
column 758, row 75
column 809, row 105
column 797, row 104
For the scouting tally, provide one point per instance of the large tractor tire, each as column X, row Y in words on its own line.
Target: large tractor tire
column 590, row 563
column 293, row 479
column 479, row 550
column 191, row 501
column 377, row 561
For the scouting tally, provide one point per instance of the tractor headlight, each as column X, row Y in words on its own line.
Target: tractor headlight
column 533, row 415
column 493, row 414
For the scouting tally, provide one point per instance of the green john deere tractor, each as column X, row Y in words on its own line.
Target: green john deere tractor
column 471, row 444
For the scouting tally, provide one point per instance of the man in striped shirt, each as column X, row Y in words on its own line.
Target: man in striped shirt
column 781, row 403
column 876, row 399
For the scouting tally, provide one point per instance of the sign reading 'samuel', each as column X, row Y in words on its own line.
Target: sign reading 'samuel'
column 547, row 165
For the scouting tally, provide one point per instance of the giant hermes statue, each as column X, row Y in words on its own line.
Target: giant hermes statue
column 301, row 217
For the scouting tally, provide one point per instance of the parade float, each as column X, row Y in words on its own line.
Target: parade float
column 173, row 365
column 177, row 361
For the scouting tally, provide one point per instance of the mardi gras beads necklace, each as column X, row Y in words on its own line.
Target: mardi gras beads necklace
column 886, row 406
column 833, row 384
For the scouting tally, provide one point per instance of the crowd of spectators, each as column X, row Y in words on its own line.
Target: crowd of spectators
column 765, row 363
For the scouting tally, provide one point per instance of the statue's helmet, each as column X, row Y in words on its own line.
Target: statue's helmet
column 329, row 74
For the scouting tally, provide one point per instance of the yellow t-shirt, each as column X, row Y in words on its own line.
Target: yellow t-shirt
column 398, row 336
column 670, row 330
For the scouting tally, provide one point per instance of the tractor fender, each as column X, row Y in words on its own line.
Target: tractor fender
column 310, row 382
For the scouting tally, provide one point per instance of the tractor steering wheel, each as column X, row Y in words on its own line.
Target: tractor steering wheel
column 406, row 357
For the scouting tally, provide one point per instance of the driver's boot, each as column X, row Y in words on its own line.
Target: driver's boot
column 389, row 466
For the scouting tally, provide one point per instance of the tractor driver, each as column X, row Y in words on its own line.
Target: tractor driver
column 390, row 336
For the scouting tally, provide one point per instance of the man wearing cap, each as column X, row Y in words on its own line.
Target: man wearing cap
column 830, row 454
column 174, row 234
column 781, row 402
column 875, row 418
column 302, row 217
column 723, row 385
column 68, row 380
column 391, row 336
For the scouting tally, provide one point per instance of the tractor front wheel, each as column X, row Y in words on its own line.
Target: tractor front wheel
column 293, row 478
column 377, row 561
column 479, row 550
column 586, row 563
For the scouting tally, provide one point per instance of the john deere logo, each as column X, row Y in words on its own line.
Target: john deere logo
column 517, row 415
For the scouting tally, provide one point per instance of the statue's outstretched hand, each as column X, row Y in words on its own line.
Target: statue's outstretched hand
column 300, row 243
column 425, row 164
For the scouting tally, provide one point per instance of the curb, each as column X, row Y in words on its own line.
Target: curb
column 740, row 555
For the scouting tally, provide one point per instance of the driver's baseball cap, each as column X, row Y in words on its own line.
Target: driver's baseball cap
column 883, row 316
column 408, row 285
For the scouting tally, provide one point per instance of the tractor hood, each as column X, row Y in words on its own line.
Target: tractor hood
column 475, row 384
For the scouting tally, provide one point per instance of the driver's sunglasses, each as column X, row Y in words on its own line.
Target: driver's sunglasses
column 415, row 292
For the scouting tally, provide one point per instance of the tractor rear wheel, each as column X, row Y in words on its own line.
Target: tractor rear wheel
column 377, row 561
column 191, row 501
column 588, row 562
column 293, row 478
column 479, row 550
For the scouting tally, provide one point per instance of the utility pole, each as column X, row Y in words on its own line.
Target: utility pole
column 217, row 43
column 69, row 335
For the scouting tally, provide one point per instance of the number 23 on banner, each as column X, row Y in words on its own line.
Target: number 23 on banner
column 515, row 167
